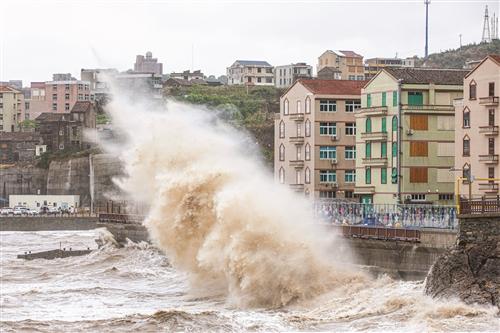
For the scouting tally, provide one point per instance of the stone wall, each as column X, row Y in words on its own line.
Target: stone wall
column 70, row 177
column 471, row 269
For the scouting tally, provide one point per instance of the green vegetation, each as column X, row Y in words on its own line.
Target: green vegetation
column 102, row 118
column 61, row 155
column 28, row 124
column 458, row 57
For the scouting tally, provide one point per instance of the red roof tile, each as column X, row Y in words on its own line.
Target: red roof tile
column 495, row 57
column 333, row 87
column 8, row 89
column 351, row 54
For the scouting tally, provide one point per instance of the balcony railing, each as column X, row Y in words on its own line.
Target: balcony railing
column 375, row 161
column 374, row 136
column 297, row 163
column 297, row 116
column 428, row 108
column 488, row 101
column 364, row 189
column 298, row 140
column 488, row 130
column 373, row 111
column 488, row 187
column 489, row 159
column 480, row 206
column 297, row 187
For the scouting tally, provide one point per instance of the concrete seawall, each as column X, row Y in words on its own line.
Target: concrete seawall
column 39, row 223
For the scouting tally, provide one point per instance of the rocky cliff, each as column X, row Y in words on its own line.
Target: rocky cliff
column 471, row 269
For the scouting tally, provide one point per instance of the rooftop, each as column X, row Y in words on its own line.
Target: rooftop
column 350, row 54
column 253, row 63
column 81, row 107
column 428, row 75
column 8, row 89
column 52, row 116
column 19, row 136
column 333, row 87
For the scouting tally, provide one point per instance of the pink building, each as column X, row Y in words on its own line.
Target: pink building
column 35, row 101
column 148, row 64
column 61, row 96
column 477, row 145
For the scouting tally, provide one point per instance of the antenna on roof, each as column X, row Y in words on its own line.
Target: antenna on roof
column 427, row 2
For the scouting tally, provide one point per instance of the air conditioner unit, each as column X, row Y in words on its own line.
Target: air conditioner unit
column 409, row 132
column 335, row 184
column 408, row 197
column 333, row 161
column 334, row 138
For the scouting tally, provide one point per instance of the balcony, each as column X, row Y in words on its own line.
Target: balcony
column 297, row 187
column 375, row 161
column 488, row 130
column 298, row 164
column 374, row 136
column 488, row 187
column 434, row 109
column 489, row 101
column 297, row 116
column 298, row 140
column 328, row 185
column 489, row 159
column 373, row 111
column 364, row 189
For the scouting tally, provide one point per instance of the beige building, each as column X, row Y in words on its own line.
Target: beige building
column 373, row 65
column 250, row 72
column 349, row 63
column 476, row 128
column 405, row 136
column 11, row 109
column 314, row 137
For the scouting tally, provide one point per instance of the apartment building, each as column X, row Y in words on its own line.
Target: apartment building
column 250, row 72
column 476, row 128
column 148, row 64
column 35, row 102
column 286, row 75
column 11, row 109
column 188, row 75
column 349, row 63
column 140, row 84
column 97, row 77
column 314, row 138
column 373, row 65
column 405, row 138
column 61, row 96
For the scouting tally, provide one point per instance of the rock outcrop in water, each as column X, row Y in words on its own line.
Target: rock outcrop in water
column 471, row 269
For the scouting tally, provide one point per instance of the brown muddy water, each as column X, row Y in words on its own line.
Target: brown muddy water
column 135, row 288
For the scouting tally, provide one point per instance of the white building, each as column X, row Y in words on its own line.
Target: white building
column 250, row 72
column 34, row 201
column 285, row 76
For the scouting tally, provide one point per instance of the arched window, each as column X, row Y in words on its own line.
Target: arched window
column 285, row 107
column 307, row 176
column 297, row 177
column 307, row 152
column 299, row 107
column 308, row 128
column 394, row 149
column 466, row 117
column 299, row 129
column 282, row 129
column 466, row 171
column 395, row 124
column 466, row 146
column 472, row 90
column 282, row 152
column 368, row 125
column 282, row 175
column 308, row 105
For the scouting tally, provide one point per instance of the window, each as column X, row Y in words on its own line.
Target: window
column 307, row 176
column 466, row 171
column 54, row 87
column 299, row 129
column 259, row 79
column 297, row 177
column 491, row 173
column 307, row 152
column 269, row 80
column 394, row 176
column 415, row 98
column 418, row 174
column 368, row 175
column 383, row 176
column 327, row 128
column 418, row 197
column 491, row 117
column 285, row 107
column 383, row 149
column 368, row 149
column 66, row 106
column 327, row 194
column 282, row 152
column 54, row 97
column 368, row 125
column 491, row 89
column 351, row 106
column 327, row 105
column 466, row 117
column 54, row 106
column 472, row 90
column 327, row 152
column 368, row 100
column 282, row 175
column 282, row 129
column 80, row 97
column 80, row 86
column 395, row 124
column 348, row 194
column 394, row 98
column 384, row 125
column 419, row 148
column 298, row 155
column 384, row 99
column 491, row 146
column 445, row 196
column 350, row 152
column 299, row 107
column 308, row 105
column 350, row 129
column 259, row 69
column 419, row 122
column 66, row 96
column 466, row 146
column 350, row 176
column 327, row 176
column 308, row 127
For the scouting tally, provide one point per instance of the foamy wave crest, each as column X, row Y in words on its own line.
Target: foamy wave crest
column 217, row 213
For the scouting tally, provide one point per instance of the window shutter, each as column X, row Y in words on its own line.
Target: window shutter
column 419, row 122
column 418, row 175
column 419, row 148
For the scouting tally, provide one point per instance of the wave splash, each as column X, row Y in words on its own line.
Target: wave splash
column 216, row 212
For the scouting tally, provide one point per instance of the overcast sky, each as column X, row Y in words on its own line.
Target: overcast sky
column 38, row 38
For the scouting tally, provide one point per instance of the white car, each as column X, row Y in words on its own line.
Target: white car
column 18, row 211
column 6, row 211
column 32, row 212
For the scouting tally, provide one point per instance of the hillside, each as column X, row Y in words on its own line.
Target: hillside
column 458, row 57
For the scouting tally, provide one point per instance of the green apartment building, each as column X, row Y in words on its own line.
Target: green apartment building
column 405, row 136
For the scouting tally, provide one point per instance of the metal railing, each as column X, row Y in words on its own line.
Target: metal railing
column 480, row 205
column 387, row 215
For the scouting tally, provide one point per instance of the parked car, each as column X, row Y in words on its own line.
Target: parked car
column 47, row 210
column 33, row 212
column 18, row 211
column 6, row 211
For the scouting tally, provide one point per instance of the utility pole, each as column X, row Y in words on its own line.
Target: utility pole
column 427, row 2
column 460, row 35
